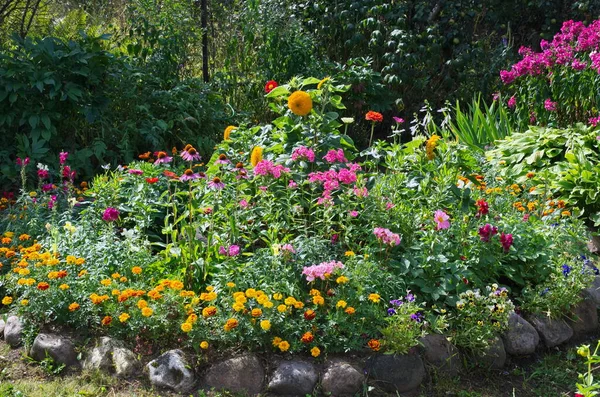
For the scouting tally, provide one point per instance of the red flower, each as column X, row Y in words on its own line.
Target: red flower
column 374, row 116
column 578, row 395
column 307, row 337
column 151, row 180
column 271, row 84
column 309, row 315
column 170, row 174
column 43, row 286
column 483, row 207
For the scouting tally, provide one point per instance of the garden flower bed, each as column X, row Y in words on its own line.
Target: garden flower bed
column 284, row 243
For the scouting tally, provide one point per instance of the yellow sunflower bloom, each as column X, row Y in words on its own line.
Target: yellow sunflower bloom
column 300, row 103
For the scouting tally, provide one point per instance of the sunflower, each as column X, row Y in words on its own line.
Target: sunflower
column 228, row 131
column 322, row 82
column 256, row 156
column 300, row 103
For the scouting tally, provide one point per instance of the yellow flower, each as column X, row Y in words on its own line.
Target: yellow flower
column 265, row 324
column 210, row 311
column 315, row 351
column 106, row 282
column 230, row 284
column 268, row 304
column 256, row 155
column 64, row 287
column 349, row 253
column 186, row 327
column 341, row 304
column 322, row 82
column 281, row 308
column 228, row 132
column 318, row 300
column 314, row 292
column 251, row 293
column 176, row 285
column 204, row 345
column 238, row 306
column 375, row 298
column 284, row 346
column 7, row 300
column 25, row 302
column 277, row 296
column 136, row 270
column 147, row 312
column 256, row 313
column 230, row 324
column 566, row 213
column 142, row 304
column 276, row 341
column 431, row 145
column 124, row 317
column 290, row 300
column 300, row 103
column 342, row 280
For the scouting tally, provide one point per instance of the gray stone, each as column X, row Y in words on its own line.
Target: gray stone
column 438, row 352
column 111, row 355
column 13, row 331
column 59, row 348
column 552, row 331
column 2, row 325
column 243, row 374
column 342, row 380
column 494, row 356
column 402, row 373
column 521, row 339
column 594, row 291
column 172, row 371
column 584, row 317
column 294, row 378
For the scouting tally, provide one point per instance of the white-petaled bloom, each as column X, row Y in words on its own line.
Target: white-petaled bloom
column 347, row 120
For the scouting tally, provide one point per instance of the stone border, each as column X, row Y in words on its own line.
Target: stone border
column 338, row 376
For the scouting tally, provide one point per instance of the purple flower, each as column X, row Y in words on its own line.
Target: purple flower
column 566, row 269
column 486, row 232
column 396, row 302
column 550, row 106
column 410, row 297
column 234, row 250
column 512, row 102
column 222, row 250
column 135, row 172
column 418, row 317
column 110, row 214
column 398, row 120
column 391, row 311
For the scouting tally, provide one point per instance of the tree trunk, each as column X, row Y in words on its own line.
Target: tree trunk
column 204, row 24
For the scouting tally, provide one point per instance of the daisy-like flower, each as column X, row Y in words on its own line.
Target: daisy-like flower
column 441, row 219
column 191, row 154
column 163, row 158
column 222, row 159
column 216, row 183
column 189, row 175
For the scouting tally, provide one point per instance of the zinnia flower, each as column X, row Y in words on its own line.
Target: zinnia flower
column 549, row 105
column 374, row 116
column 374, row 344
column 300, row 103
column 270, row 86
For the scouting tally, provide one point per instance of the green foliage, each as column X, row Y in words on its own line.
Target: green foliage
column 404, row 326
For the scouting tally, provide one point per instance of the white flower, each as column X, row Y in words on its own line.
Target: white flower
column 347, row 120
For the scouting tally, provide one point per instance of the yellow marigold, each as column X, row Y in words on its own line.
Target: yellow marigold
column 256, row 313
column 124, row 317
column 251, row 293
column 566, row 213
column 106, row 282
column 74, row 306
column 24, row 302
column 71, row 259
column 64, row 287
column 154, row 294
column 142, row 304
column 230, row 324
column 228, row 132
column 268, row 304
column 265, row 325
column 349, row 253
column 350, row 310
column 115, row 275
column 80, row 261
column 314, row 292
column 187, row 294
column 430, row 146
column 186, row 327
column 341, row 304
column 115, row 292
column 176, row 284
column 147, row 312
column 281, row 308
column 207, row 297
column 284, row 346
column 262, row 299
column 82, row 273
column 230, row 284
column 298, row 305
column 204, row 345
column 290, row 300
column 375, row 298
column 24, row 237
column 300, row 103
column 238, row 306
column 136, row 270
column 315, row 351
column 256, row 156
column 318, row 300
column 342, row 280
column 7, row 300
column 209, row 311
column 9, row 234
column 277, row 296
column 192, row 318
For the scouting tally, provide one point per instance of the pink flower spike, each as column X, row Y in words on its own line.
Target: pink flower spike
column 234, row 250
column 441, row 219
column 110, row 214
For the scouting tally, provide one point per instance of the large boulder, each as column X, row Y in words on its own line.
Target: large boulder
column 552, row 331
column 521, row 339
column 13, row 331
column 400, row 373
column 341, row 379
column 494, row 356
column 2, row 325
column 293, row 378
column 111, row 355
column 440, row 354
column 57, row 347
column 593, row 291
column 583, row 319
column 243, row 374
column 172, row 371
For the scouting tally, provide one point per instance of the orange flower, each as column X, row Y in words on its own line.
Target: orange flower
column 73, row 306
column 307, row 337
column 106, row 320
column 374, row 344
column 209, row 311
column 300, row 103
column 256, row 313
column 350, row 310
column 43, row 286
column 147, row 312
column 374, row 116
column 231, row 324
column 309, row 314
column 136, row 270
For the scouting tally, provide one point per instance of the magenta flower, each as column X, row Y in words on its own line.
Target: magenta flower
column 22, row 162
column 512, row 102
column 441, row 219
column 43, row 174
column 495, row 96
column 136, row 172
column 549, row 105
column 386, row 236
column 334, row 156
column 304, row 153
column 353, row 213
column 321, row 270
column 62, row 157
column 389, row 205
column 292, row 184
column 190, row 155
column 162, row 158
column 594, row 121
column 216, row 183
column 190, row 175
column 486, row 232
column 244, row 204
column 288, row 248
column 47, row 187
column 506, row 240
column 266, row 167
column 222, row 250
column 234, row 250
column 398, row 120
column 110, row 214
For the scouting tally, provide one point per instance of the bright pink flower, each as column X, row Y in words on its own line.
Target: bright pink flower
column 441, row 219
column 594, row 121
column 43, row 174
column 22, row 162
column 110, row 214
column 266, row 167
column 549, row 105
column 136, row 172
column 398, row 120
column 353, row 213
column 389, row 205
column 62, row 157
column 288, row 248
column 292, row 184
column 386, row 236
column 244, row 204
column 321, row 270
column 234, row 250
column 482, row 207
column 346, row 176
column 525, row 217
column 303, row 153
column 486, row 232
column 512, row 102
column 506, row 240
column 334, row 156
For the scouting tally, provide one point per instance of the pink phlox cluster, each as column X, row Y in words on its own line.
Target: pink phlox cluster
column 266, row 167
column 386, row 236
column 303, row 153
column 321, row 270
column 335, row 156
